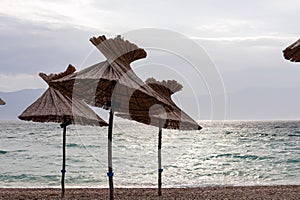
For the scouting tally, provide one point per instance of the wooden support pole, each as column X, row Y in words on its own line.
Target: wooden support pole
column 159, row 158
column 63, row 171
column 109, row 146
column 64, row 125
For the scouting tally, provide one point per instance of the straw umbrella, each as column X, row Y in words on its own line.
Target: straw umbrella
column 292, row 52
column 53, row 106
column 111, row 85
column 177, row 119
column 2, row 102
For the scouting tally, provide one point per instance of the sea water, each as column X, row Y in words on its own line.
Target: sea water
column 233, row 153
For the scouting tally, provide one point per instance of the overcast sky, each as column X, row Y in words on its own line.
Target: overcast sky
column 244, row 39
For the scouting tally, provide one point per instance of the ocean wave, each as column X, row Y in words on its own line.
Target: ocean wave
column 243, row 152
column 73, row 145
column 296, row 134
column 3, row 152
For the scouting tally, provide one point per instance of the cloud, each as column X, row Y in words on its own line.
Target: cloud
column 228, row 26
column 13, row 82
column 31, row 47
column 210, row 18
column 56, row 13
column 46, row 36
column 268, row 41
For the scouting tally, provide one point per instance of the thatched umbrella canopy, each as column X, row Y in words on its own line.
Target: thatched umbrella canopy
column 2, row 102
column 53, row 106
column 177, row 119
column 111, row 84
column 292, row 52
column 112, row 80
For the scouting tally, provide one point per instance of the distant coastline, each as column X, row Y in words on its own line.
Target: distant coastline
column 253, row 104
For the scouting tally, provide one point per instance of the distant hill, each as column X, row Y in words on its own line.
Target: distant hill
column 17, row 102
column 252, row 103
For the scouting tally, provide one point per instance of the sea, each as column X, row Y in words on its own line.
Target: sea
column 223, row 153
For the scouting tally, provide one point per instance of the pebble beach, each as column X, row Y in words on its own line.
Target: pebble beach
column 233, row 192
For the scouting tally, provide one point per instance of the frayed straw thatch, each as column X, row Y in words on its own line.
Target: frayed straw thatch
column 292, row 52
column 53, row 106
column 48, row 78
column 112, row 80
column 118, row 50
column 177, row 119
column 2, row 102
column 166, row 88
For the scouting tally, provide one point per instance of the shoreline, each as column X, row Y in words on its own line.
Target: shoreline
column 218, row 192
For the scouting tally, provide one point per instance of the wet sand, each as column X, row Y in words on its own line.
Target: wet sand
column 234, row 193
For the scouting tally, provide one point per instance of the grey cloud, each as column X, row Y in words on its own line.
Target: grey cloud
column 28, row 47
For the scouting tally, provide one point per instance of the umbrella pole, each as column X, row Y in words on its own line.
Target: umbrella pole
column 63, row 171
column 109, row 146
column 160, row 170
